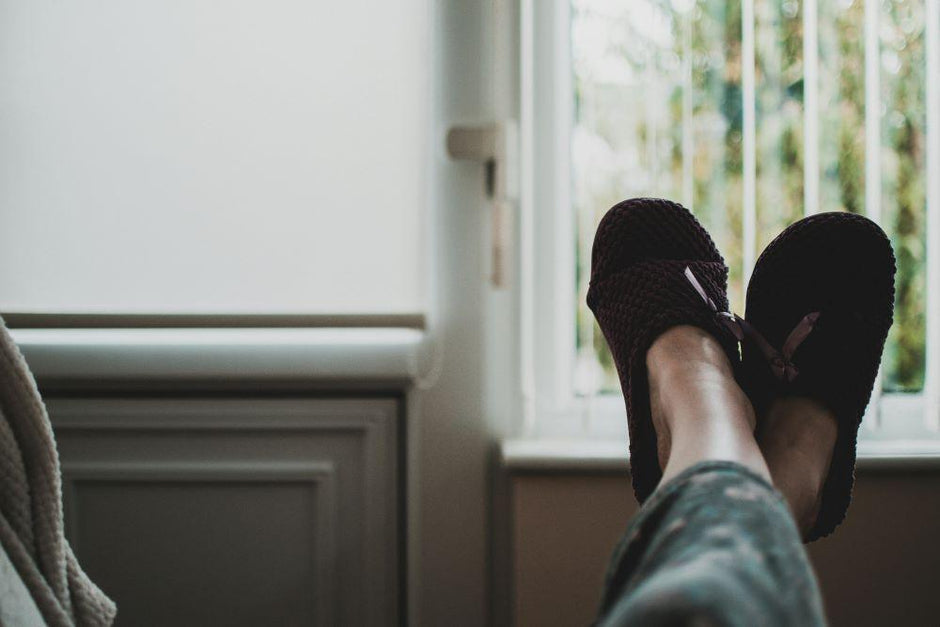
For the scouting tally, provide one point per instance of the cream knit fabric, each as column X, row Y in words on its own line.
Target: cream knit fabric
column 31, row 527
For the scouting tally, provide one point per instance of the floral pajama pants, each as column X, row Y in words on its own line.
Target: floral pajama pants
column 717, row 545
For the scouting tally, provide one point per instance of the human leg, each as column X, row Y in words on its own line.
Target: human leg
column 715, row 544
column 698, row 410
column 796, row 437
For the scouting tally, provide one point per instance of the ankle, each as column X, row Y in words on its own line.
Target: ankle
column 686, row 350
column 801, row 426
column 797, row 437
column 689, row 371
column 698, row 410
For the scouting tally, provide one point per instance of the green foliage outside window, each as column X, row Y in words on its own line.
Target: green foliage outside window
column 628, row 71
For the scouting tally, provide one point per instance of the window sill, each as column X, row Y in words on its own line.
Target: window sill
column 583, row 455
column 332, row 354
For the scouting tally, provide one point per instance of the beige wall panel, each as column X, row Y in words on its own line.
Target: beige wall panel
column 880, row 568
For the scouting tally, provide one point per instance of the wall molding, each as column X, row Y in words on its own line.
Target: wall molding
column 320, row 477
column 90, row 356
column 371, row 423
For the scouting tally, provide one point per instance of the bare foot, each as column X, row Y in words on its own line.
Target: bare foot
column 699, row 412
column 797, row 437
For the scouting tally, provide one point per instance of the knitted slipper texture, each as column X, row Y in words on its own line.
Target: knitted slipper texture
column 638, row 290
column 842, row 266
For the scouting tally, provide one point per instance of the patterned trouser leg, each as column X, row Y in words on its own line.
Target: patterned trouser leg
column 715, row 546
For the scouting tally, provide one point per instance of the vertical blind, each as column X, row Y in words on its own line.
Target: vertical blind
column 193, row 156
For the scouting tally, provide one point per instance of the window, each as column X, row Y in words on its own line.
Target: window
column 751, row 113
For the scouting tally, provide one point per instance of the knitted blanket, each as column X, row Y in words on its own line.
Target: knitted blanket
column 31, row 527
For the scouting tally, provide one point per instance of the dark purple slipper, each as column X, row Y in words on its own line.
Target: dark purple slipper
column 654, row 267
column 819, row 306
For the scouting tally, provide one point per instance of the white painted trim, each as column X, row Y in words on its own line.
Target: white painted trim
column 527, row 212
column 932, row 375
column 688, row 189
column 262, row 354
column 551, row 283
column 873, row 154
column 557, row 306
column 582, row 455
column 872, row 113
column 810, row 107
column 609, row 422
column 748, row 59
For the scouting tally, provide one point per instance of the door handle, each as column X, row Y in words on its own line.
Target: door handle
column 496, row 147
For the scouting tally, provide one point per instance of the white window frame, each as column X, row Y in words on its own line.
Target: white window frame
column 895, row 424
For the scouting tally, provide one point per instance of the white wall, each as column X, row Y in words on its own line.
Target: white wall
column 477, row 398
column 197, row 156
column 453, row 426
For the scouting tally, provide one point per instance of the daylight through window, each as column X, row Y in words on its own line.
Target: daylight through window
column 753, row 114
